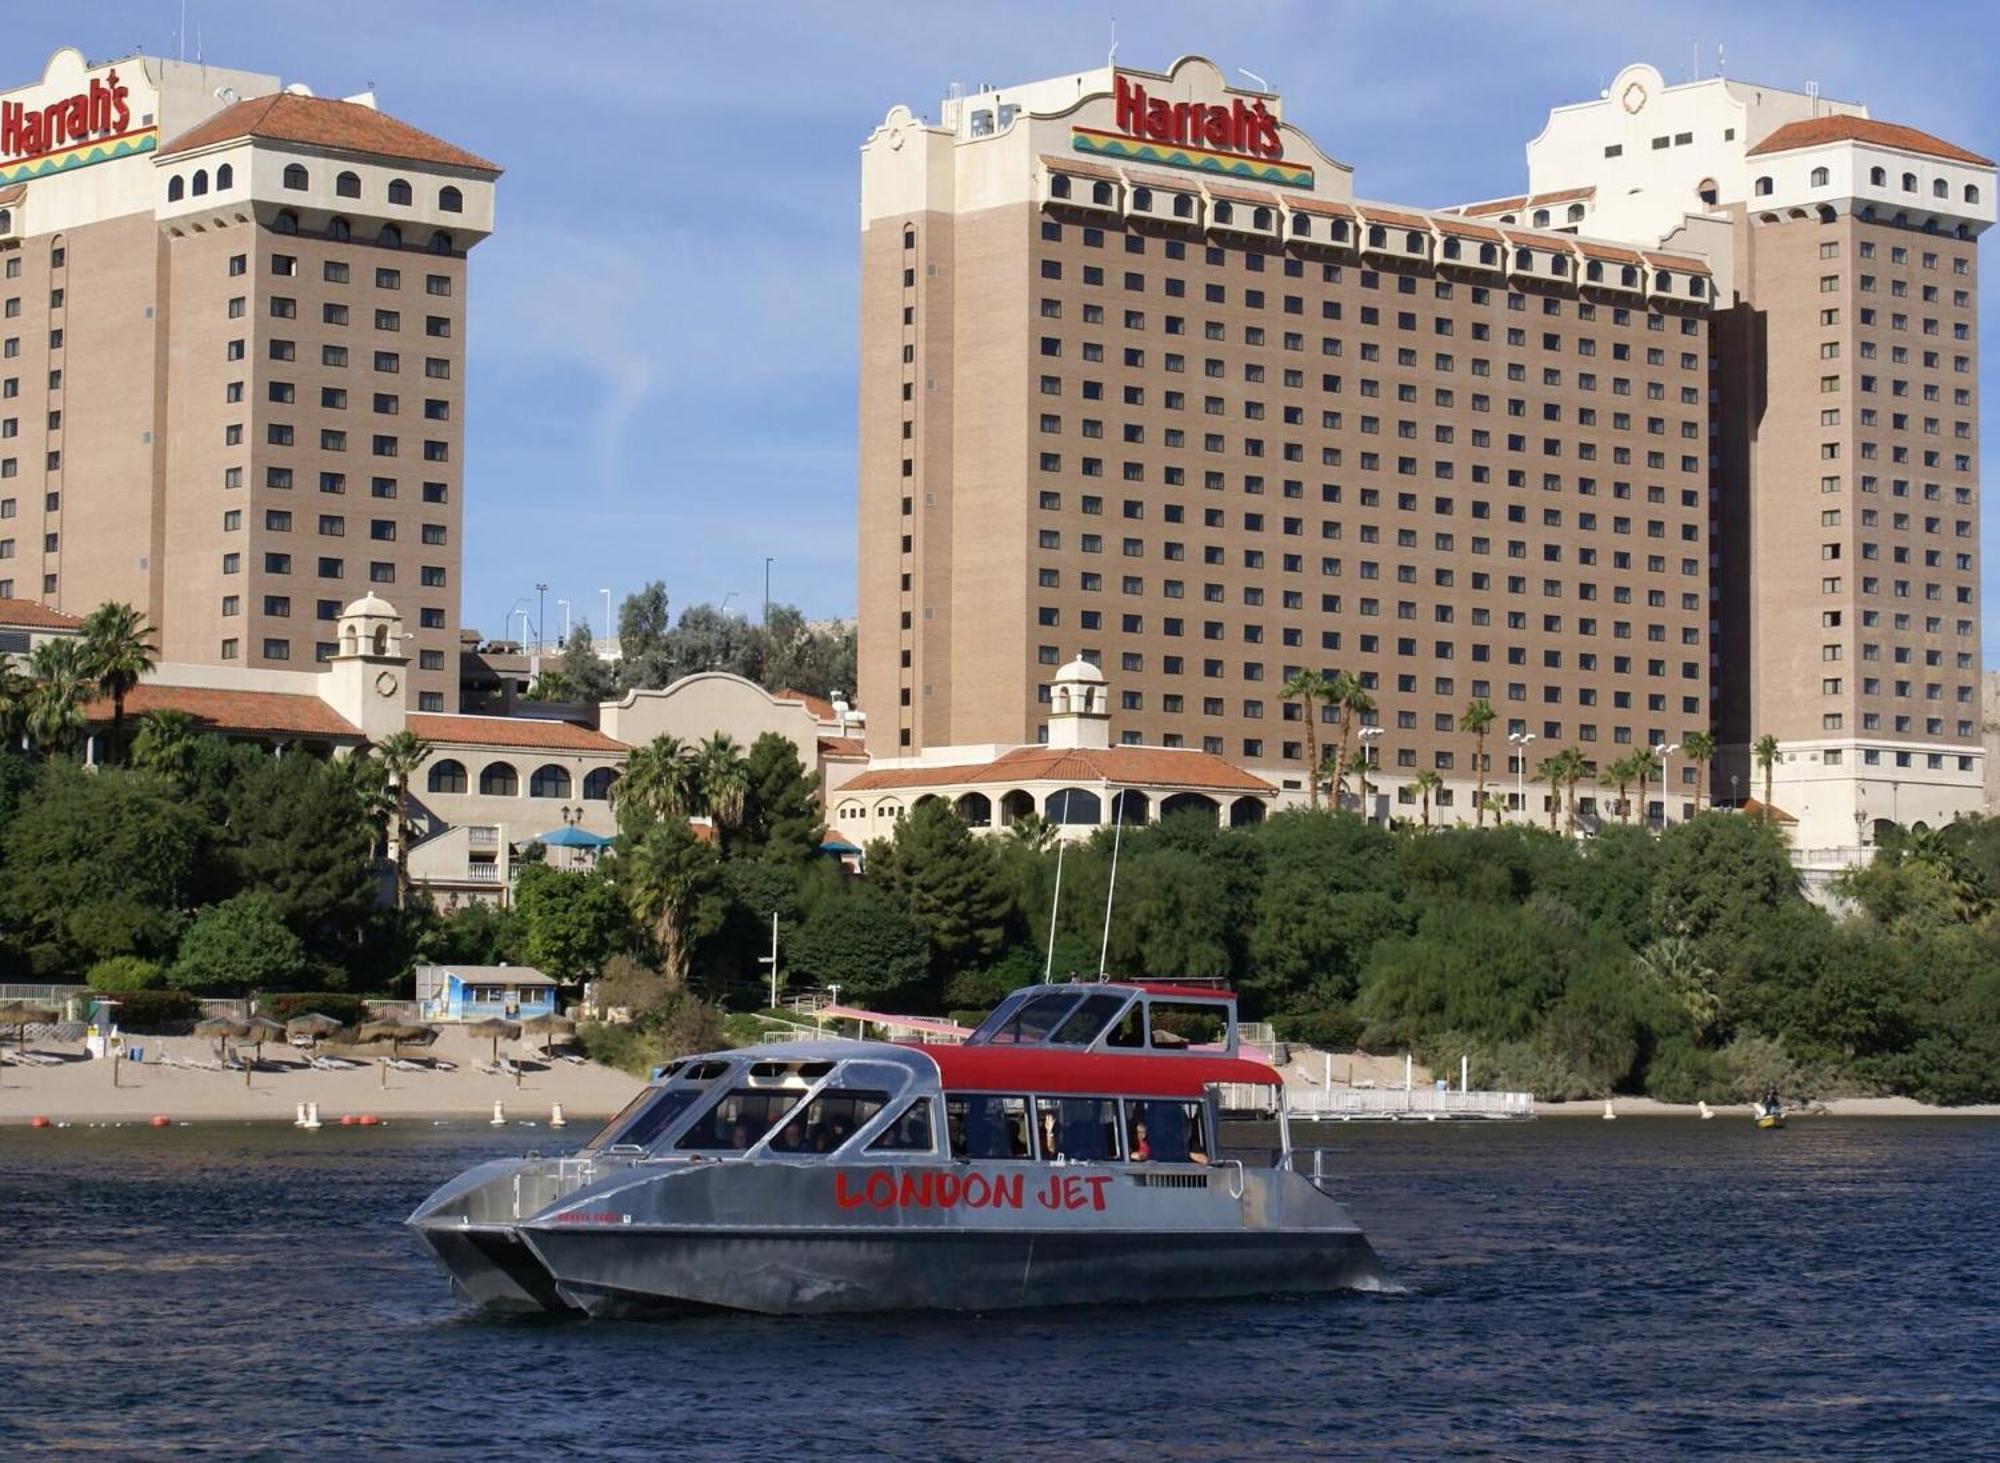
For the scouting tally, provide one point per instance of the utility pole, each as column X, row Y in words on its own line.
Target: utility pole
column 541, row 609
column 772, row 960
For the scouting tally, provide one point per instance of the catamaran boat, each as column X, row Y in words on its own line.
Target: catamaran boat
column 1066, row 1152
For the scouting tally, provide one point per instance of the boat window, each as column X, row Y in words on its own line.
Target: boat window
column 1178, row 1025
column 1167, row 1132
column 1034, row 1019
column 998, row 1017
column 987, row 1127
column 910, row 1133
column 1080, row 1129
column 644, row 1118
column 1131, row 1028
column 1088, row 1019
column 735, row 1123
column 828, row 1121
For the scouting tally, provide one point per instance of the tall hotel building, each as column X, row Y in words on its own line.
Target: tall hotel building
column 234, row 351
column 1682, row 437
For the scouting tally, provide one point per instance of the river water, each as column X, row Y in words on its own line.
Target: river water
column 1568, row 1288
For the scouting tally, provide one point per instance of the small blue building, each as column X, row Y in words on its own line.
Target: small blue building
column 475, row 992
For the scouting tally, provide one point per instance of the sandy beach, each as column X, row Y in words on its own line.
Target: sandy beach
column 81, row 1090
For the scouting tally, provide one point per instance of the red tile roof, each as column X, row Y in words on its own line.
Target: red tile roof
column 273, row 712
column 1390, row 218
column 842, row 747
column 1467, row 230
column 1494, row 205
column 1081, row 169
column 1125, row 766
column 1681, row 262
column 819, row 706
column 26, row 614
column 324, row 122
column 1565, row 195
column 1821, row 130
column 1251, row 196
column 511, row 731
column 13, row 194
column 1608, row 251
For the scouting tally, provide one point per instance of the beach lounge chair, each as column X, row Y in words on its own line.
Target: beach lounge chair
column 487, row 1068
column 439, row 1064
column 573, row 1059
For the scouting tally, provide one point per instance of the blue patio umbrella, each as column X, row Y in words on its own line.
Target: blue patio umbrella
column 570, row 836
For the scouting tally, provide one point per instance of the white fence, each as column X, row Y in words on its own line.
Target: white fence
column 1346, row 1104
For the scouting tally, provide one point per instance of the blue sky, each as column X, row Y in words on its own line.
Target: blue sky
column 663, row 326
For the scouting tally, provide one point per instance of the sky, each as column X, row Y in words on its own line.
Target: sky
column 663, row 325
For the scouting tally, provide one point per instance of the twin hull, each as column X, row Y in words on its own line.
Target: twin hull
column 613, row 1238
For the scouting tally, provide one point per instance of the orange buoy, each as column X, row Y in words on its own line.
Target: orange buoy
column 347, row 1120
column 161, row 1121
column 369, row 1120
column 38, row 1121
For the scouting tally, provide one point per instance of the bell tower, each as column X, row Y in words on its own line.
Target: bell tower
column 1079, row 707
column 365, row 680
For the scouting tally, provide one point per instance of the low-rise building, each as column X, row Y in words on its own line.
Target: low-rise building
column 476, row 992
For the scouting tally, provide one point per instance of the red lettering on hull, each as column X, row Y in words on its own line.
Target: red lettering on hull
column 931, row 1189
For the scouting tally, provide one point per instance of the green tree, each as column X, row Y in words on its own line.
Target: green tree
column 99, row 864
column 1699, row 748
column 1766, row 756
column 642, row 623
column 1310, row 688
column 1620, row 774
column 125, row 973
column 571, row 922
column 948, row 881
column 1721, row 877
column 1427, row 783
column 237, row 946
column 722, row 780
column 401, row 754
column 62, row 677
column 165, row 743
column 118, row 652
column 659, row 783
column 672, row 883
column 588, row 675
column 1570, row 768
column 780, row 804
column 1478, row 720
column 303, row 839
column 17, row 699
column 862, row 943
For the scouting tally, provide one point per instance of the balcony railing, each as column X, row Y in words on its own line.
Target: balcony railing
column 482, row 837
column 483, row 873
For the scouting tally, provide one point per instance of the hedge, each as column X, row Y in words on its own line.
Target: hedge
column 151, row 1012
column 347, row 1010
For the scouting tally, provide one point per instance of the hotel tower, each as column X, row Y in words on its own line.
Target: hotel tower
column 234, row 359
column 1680, row 438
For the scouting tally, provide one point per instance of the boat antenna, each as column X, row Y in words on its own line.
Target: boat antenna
column 1062, row 847
column 1110, row 889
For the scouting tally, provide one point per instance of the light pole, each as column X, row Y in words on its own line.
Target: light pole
column 563, row 605
column 541, row 622
column 610, row 630
column 1366, row 736
column 1666, row 806
column 1520, row 741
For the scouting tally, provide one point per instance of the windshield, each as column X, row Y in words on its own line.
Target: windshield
column 645, row 1117
column 1027, row 1019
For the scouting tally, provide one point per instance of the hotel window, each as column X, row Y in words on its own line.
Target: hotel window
column 278, row 520
column 450, row 200
column 332, row 569
column 437, row 368
column 333, row 398
column 278, row 606
column 347, row 185
column 229, row 650
column 333, row 482
column 433, row 577
column 284, row 350
column 333, row 355
column 434, row 534
column 285, row 264
column 332, row 525
column 232, row 563
column 436, row 493
column 278, row 477
column 388, row 320
column 277, row 649
column 388, row 362
column 438, row 326
column 382, row 487
column 436, row 410
column 387, row 404
column 437, row 284
column 295, row 177
column 334, row 271
column 431, row 618
column 332, row 314
column 232, row 605
column 399, row 190
column 277, row 563
column 381, row 573
column 331, row 439
column 384, row 446
column 382, row 530
column 388, row 279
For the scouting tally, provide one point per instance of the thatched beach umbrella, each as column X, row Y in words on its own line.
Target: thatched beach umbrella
column 312, row 1025
column 549, row 1028
column 219, row 1029
column 396, row 1033
column 496, row 1028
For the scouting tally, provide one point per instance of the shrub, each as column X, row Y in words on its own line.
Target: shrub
column 237, row 946
column 156, row 1012
column 125, row 973
column 347, row 1010
column 1332, row 1030
column 1683, row 1072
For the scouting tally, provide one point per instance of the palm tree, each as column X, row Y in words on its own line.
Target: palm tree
column 1766, row 753
column 1642, row 773
column 117, row 653
column 659, row 779
column 16, row 695
column 1310, row 687
column 1427, row 782
column 1620, row 773
column 1478, row 720
column 1033, row 831
column 165, row 743
column 1699, row 748
column 667, row 874
column 1359, row 767
column 1571, row 767
column 401, row 754
column 1354, row 702
column 1551, row 772
column 722, row 779
column 55, row 706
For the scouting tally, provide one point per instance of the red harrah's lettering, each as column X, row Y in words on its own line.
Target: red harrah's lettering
column 926, row 1188
column 101, row 110
column 1234, row 128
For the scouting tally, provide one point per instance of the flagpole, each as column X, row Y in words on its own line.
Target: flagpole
column 1062, row 847
column 1110, row 889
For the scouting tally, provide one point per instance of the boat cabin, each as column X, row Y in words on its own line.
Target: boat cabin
column 1124, row 1017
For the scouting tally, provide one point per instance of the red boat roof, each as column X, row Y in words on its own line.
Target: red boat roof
column 1167, row 988
column 1041, row 1069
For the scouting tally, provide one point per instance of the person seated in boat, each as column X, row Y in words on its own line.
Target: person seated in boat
column 1051, row 1144
column 1142, row 1151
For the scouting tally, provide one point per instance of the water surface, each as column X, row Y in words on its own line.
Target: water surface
column 1570, row 1287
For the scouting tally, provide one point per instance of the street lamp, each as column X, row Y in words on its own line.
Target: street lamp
column 1666, row 804
column 1367, row 736
column 1520, row 741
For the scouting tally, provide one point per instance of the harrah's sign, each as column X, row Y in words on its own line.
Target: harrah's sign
column 26, row 132
column 1251, row 131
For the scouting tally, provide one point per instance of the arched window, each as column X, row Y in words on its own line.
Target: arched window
column 1302, row 225
column 1629, row 277
column 1909, row 182
column 1413, row 242
column 499, row 780
column 1879, row 177
column 176, row 189
column 447, row 776
column 1558, row 264
column 1142, row 200
column 1261, row 218
column 1074, row 805
column 1377, row 236
column 399, row 190
column 1059, row 186
column 1489, row 254
column 1224, row 212
column 286, row 222
column 1940, row 188
column 225, row 178
column 598, row 782
column 200, row 183
column 1971, row 192
column 1820, row 177
column 1763, row 187
column 6, row 220
column 909, row 238
column 1868, row 213
column 338, row 228
column 1541, row 219
column 348, row 185
column 441, row 242
column 549, row 781
column 1576, row 213
column 1827, row 213
column 1183, row 205
column 295, row 177
column 1451, row 249
column 380, row 637
column 1663, row 282
column 1524, row 259
column 1593, row 271
column 1508, row 218
column 391, row 237
column 1100, row 193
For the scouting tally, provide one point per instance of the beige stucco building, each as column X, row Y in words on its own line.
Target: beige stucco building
column 1146, row 379
column 234, row 349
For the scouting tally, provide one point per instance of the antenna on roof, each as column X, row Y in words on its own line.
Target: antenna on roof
column 1112, row 59
column 181, row 35
column 1719, row 68
column 1812, row 95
